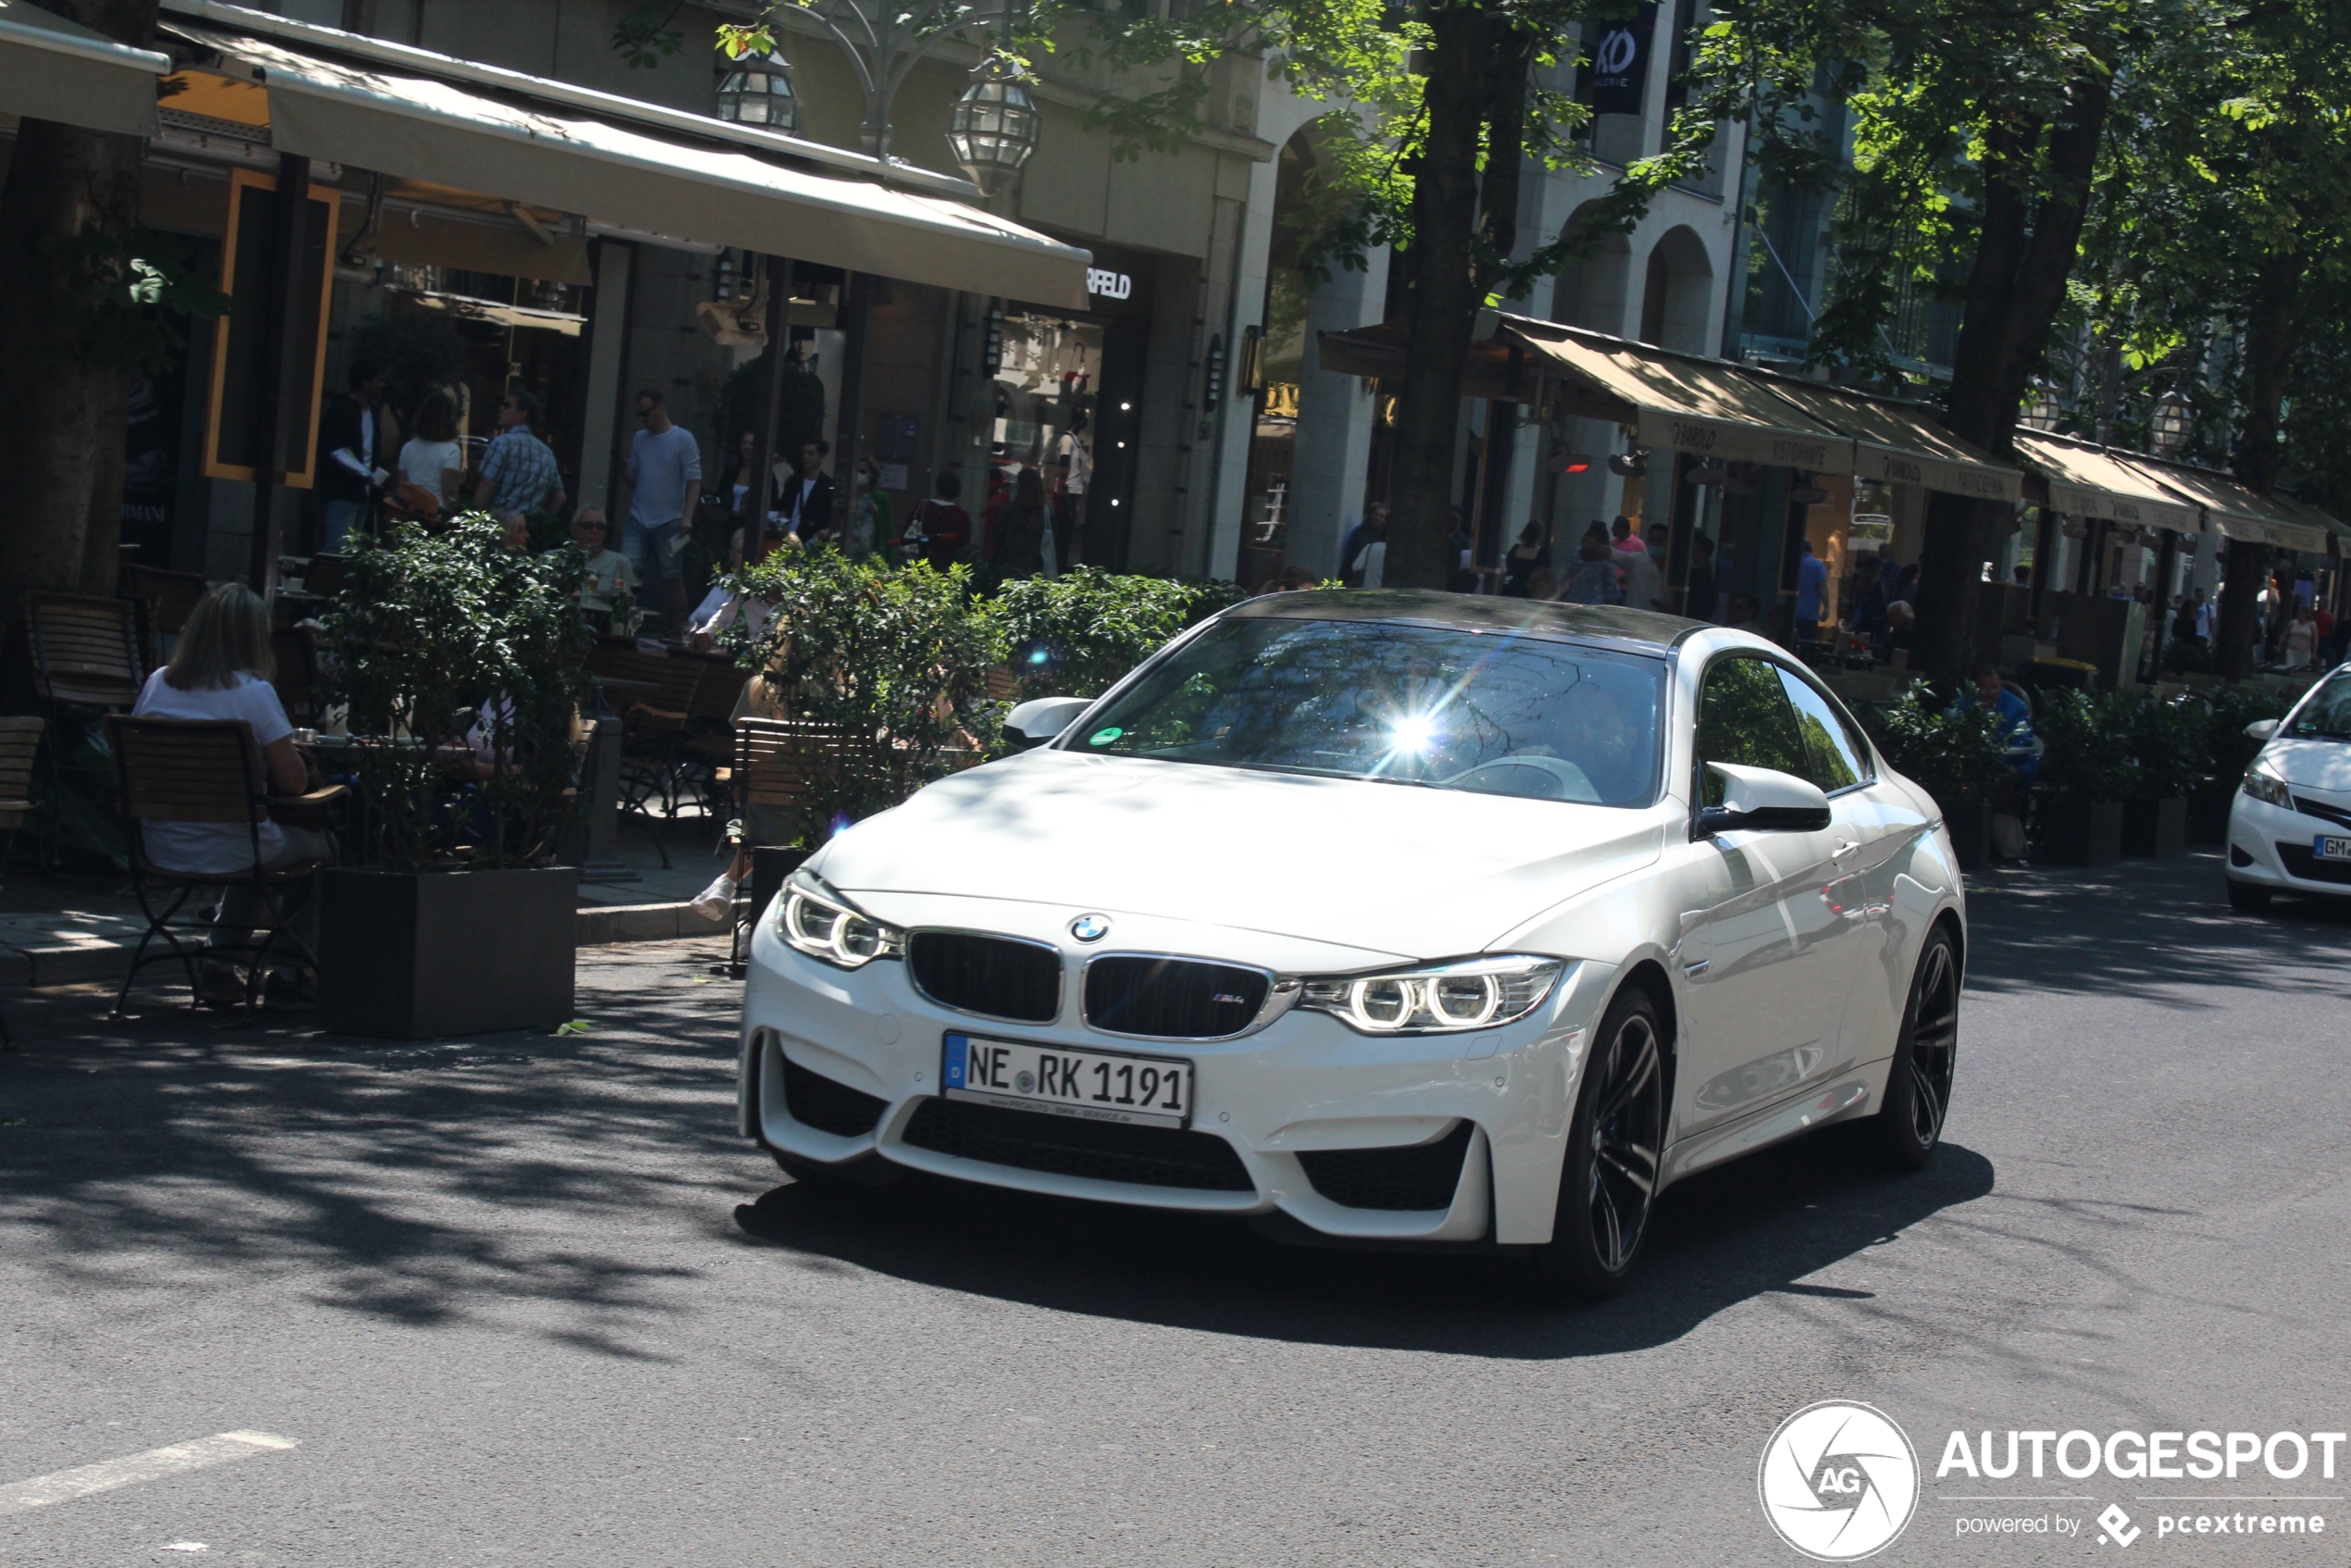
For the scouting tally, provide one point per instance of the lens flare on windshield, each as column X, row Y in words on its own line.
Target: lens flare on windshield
column 1414, row 732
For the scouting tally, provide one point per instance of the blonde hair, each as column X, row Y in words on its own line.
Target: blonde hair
column 227, row 635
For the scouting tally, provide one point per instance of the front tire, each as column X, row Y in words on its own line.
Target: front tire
column 1908, row 1126
column 1615, row 1147
column 2248, row 897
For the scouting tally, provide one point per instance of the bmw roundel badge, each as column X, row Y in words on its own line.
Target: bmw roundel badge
column 1090, row 928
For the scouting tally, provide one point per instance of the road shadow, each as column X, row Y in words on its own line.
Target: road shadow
column 2153, row 930
column 1757, row 1226
column 412, row 1182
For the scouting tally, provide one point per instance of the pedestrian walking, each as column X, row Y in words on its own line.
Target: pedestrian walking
column 1530, row 554
column 808, row 496
column 434, row 459
column 664, row 476
column 938, row 529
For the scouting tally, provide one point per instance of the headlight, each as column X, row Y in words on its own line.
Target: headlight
column 817, row 921
column 1475, row 993
column 2267, row 788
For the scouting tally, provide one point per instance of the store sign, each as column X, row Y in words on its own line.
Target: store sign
column 1619, row 67
column 1104, row 284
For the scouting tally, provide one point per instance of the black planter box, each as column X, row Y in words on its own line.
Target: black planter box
column 421, row 956
column 2082, row 833
column 1971, row 826
column 2208, row 813
column 2155, row 827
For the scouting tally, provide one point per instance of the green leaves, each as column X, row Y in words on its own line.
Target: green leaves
column 1954, row 756
column 438, row 635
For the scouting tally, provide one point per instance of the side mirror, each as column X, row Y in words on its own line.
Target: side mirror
column 2261, row 729
column 1040, row 719
column 1764, row 800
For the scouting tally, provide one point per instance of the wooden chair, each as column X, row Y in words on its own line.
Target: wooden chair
column 85, row 652
column 19, row 744
column 87, row 659
column 654, row 694
column 169, row 597
column 710, row 727
column 207, row 771
column 782, row 767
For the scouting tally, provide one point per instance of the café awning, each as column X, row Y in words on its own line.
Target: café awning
column 2234, row 508
column 1687, row 402
column 52, row 69
column 2085, row 480
column 554, row 154
column 1900, row 442
column 1681, row 401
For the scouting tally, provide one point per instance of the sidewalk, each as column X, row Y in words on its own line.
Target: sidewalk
column 73, row 927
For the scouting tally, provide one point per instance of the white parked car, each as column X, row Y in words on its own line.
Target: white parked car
column 2290, row 823
column 1389, row 917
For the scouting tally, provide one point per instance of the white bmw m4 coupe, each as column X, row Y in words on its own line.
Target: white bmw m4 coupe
column 1387, row 918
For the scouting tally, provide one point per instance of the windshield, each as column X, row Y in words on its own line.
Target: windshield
column 2327, row 716
column 1488, row 713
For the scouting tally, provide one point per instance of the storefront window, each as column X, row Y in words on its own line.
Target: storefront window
column 1047, row 388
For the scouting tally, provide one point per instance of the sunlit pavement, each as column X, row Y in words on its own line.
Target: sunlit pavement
column 529, row 1299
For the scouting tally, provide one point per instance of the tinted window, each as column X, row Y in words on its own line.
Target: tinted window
column 1489, row 713
column 1744, row 718
column 1835, row 757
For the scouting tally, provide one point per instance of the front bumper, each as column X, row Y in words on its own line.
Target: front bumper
column 1305, row 1084
column 2270, row 847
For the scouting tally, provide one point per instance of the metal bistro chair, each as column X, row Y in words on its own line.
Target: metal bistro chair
column 709, row 727
column 785, row 766
column 20, row 743
column 208, row 771
column 656, row 695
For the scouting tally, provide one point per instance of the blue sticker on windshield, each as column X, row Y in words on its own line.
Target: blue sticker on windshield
column 1104, row 737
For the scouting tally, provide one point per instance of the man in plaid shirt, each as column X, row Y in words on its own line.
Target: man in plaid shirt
column 518, row 472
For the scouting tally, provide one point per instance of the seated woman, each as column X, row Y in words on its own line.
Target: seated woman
column 219, row 669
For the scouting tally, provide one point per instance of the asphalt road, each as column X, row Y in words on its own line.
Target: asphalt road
column 528, row 1300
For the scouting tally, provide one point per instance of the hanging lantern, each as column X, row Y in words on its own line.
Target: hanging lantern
column 2041, row 412
column 2171, row 423
column 757, row 90
column 994, row 126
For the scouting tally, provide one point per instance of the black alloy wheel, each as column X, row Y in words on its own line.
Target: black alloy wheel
column 1918, row 1084
column 1615, row 1147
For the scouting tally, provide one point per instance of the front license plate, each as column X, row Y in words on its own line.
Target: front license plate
column 2333, row 846
column 1101, row 1086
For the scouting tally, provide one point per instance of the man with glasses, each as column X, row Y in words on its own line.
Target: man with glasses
column 517, row 472
column 665, row 473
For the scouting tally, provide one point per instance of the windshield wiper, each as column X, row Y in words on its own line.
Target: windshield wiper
column 1328, row 773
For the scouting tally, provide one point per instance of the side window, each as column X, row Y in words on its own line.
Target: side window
column 1744, row 718
column 1837, row 760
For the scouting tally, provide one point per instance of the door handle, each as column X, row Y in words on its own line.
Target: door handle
column 1842, row 850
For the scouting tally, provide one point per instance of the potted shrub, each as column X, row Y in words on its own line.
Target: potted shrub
column 1954, row 756
column 2214, row 722
column 462, row 666
column 2087, row 771
column 889, row 665
column 2164, row 746
column 1077, row 634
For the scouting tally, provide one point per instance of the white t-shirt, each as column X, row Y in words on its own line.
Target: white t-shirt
column 422, row 462
column 1374, row 559
column 214, row 847
column 660, row 464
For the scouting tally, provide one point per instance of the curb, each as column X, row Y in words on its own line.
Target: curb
column 37, row 968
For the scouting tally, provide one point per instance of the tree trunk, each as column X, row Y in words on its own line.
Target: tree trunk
column 2269, row 335
column 2014, row 294
column 1444, row 295
column 61, row 416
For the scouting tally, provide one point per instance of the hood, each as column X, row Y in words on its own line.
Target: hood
column 1415, row 872
column 2311, row 765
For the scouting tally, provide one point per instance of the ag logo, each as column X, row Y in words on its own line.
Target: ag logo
column 1840, row 1481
